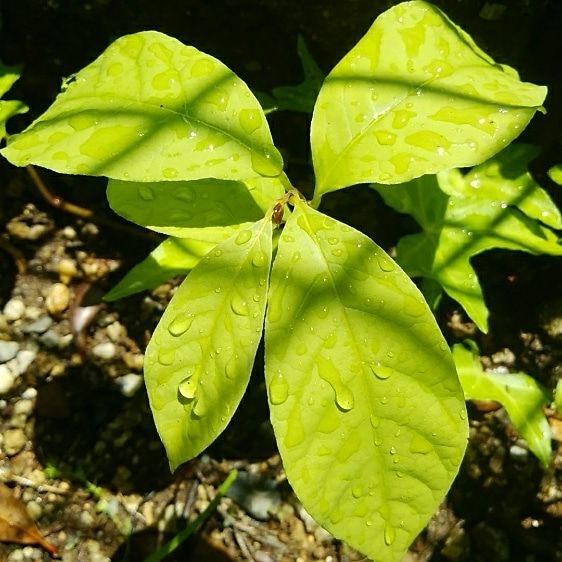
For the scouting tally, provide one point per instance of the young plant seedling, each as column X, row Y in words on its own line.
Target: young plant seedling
column 365, row 402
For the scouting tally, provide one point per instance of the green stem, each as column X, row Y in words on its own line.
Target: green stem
column 193, row 526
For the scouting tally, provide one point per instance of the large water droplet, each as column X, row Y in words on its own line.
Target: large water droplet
column 385, row 264
column 267, row 162
column 146, row 193
column 180, row 324
column 243, row 237
column 389, row 534
column 375, row 421
column 259, row 259
column 166, row 356
column 343, row 395
column 202, row 67
column 200, row 408
column 357, row 491
column 380, row 371
column 239, row 306
column 278, row 389
column 250, row 120
column 188, row 387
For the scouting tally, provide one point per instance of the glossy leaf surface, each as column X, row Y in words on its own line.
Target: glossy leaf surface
column 150, row 109
column 194, row 209
column 175, row 256
column 8, row 108
column 199, row 360
column 521, row 396
column 414, row 96
column 496, row 205
column 366, row 406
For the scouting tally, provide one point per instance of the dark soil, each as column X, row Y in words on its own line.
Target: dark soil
column 90, row 466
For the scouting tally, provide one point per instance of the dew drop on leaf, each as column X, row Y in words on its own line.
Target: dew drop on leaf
column 239, row 306
column 188, row 387
column 200, row 408
column 385, row 264
column 259, row 259
column 180, row 324
column 243, row 237
column 250, row 120
column 389, row 534
column 267, row 163
column 375, row 421
column 146, row 193
column 166, row 356
column 357, row 491
column 344, row 397
column 420, row 445
column 278, row 389
column 380, row 371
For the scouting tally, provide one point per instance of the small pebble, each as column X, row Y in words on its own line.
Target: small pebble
column 518, row 453
column 14, row 441
column 106, row 350
column 50, row 339
column 86, row 519
column 8, row 350
column 33, row 312
column 39, row 326
column 34, row 510
column 29, row 393
column 116, row 331
column 67, row 270
column 129, row 384
column 69, row 233
column 7, row 379
column 134, row 361
column 23, row 360
column 14, row 309
column 58, row 298
column 24, row 407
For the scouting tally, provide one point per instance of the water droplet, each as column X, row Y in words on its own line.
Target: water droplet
column 166, row 356
column 296, row 257
column 217, row 253
column 267, row 162
column 200, row 408
column 278, row 389
column 462, row 414
column 239, row 306
column 243, row 237
column 333, row 240
column 169, row 173
column 180, row 324
column 337, row 252
column 188, row 387
column 375, row 421
column 392, row 450
column 357, row 491
column 259, row 259
column 389, row 534
column 146, row 193
column 82, row 121
column 301, row 349
column 230, row 369
column 380, row 371
column 384, row 400
column 385, row 264
column 323, row 313
column 250, row 120
column 377, row 439
column 344, row 397
column 385, row 137
column 218, row 290
column 330, row 341
column 443, row 346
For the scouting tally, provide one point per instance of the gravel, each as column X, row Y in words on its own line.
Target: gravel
column 8, row 350
column 14, row 309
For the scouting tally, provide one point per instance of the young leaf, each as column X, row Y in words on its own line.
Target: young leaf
column 366, row 406
column 300, row 97
column 151, row 109
column 496, row 205
column 192, row 209
column 413, row 97
column 521, row 396
column 8, row 75
column 200, row 357
column 175, row 256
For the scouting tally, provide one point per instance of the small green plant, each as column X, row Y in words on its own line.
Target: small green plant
column 8, row 108
column 365, row 402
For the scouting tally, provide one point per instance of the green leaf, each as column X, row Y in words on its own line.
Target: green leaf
column 8, row 76
column 151, row 109
column 194, row 209
column 366, row 406
column 302, row 96
column 558, row 397
column 521, row 396
column 200, row 357
column 413, row 97
column 175, row 256
column 496, row 205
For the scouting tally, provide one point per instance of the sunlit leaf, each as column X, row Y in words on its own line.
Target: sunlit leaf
column 414, row 96
column 521, row 396
column 150, row 109
column 496, row 205
column 8, row 76
column 192, row 209
column 199, row 360
column 366, row 406
column 175, row 256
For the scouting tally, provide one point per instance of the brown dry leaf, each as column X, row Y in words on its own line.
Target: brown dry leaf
column 15, row 523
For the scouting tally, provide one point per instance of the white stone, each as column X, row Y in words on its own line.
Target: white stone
column 106, row 350
column 7, row 379
column 129, row 384
column 14, row 309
